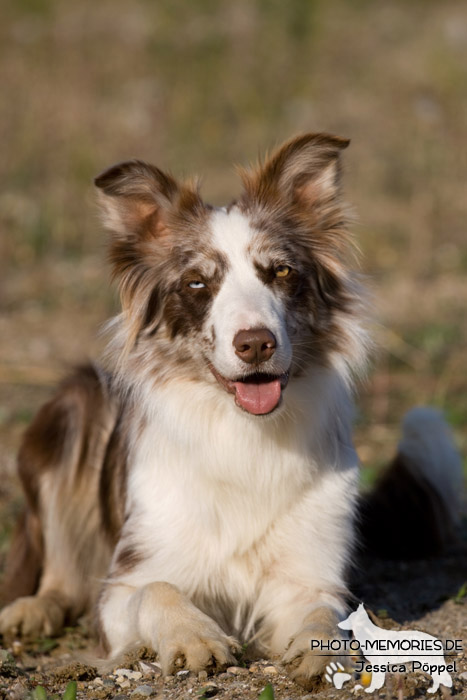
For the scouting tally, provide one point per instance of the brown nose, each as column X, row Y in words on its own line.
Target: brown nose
column 254, row 346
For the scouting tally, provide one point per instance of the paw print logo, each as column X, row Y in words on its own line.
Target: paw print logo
column 336, row 674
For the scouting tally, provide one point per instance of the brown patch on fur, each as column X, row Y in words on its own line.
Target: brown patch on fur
column 24, row 561
column 294, row 201
column 62, row 433
column 186, row 308
column 112, row 485
column 127, row 558
column 103, row 642
column 305, row 169
column 137, row 179
column 103, row 648
column 52, row 434
column 146, row 210
column 295, row 198
column 404, row 517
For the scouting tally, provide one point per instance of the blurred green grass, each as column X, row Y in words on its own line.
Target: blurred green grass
column 195, row 87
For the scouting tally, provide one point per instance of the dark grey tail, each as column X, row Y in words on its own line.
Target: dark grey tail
column 414, row 509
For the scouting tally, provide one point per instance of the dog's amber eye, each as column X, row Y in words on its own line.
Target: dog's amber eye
column 196, row 284
column 282, row 270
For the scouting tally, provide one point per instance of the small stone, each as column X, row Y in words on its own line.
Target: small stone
column 5, row 656
column 16, row 648
column 463, row 675
column 128, row 673
column 109, row 683
column 272, row 670
column 145, row 690
column 120, row 696
column 149, row 668
column 7, row 664
column 17, row 690
column 183, row 674
column 209, row 691
column 253, row 668
column 124, row 684
column 202, row 676
column 237, row 670
column 98, row 681
column 169, row 678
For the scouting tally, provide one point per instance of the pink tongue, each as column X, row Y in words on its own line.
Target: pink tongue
column 258, row 398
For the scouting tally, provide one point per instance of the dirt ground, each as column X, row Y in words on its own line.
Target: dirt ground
column 423, row 595
column 195, row 87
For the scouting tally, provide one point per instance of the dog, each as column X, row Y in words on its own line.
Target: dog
column 200, row 488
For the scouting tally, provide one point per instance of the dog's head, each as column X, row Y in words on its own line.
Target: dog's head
column 248, row 296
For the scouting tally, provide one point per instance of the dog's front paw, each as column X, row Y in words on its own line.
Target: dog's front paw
column 33, row 615
column 199, row 644
column 306, row 666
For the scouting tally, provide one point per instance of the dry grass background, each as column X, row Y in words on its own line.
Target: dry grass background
column 194, row 87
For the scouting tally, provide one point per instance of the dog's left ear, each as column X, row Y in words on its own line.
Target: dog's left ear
column 304, row 171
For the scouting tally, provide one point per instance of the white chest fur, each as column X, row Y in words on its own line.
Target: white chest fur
column 216, row 498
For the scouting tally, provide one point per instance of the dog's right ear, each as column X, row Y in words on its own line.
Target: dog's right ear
column 134, row 197
column 141, row 206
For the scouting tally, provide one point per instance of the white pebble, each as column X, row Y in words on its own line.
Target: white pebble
column 16, row 648
column 237, row 670
column 145, row 690
column 151, row 668
column 271, row 670
column 127, row 673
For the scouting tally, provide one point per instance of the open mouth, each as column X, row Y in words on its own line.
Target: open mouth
column 256, row 393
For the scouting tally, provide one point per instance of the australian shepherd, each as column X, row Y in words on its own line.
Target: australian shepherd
column 200, row 488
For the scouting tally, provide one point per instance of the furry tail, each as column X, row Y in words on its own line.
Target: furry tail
column 414, row 508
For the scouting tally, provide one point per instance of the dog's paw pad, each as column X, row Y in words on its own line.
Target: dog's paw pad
column 337, row 675
column 32, row 615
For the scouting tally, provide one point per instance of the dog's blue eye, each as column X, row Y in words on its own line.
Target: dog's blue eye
column 196, row 285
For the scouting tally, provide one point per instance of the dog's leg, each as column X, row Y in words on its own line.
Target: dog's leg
column 302, row 598
column 306, row 663
column 75, row 554
column 160, row 616
column 60, row 538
